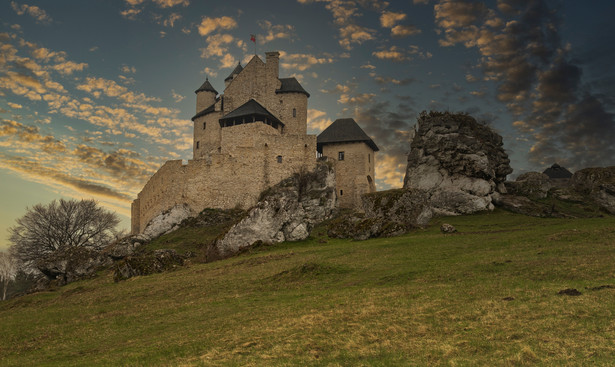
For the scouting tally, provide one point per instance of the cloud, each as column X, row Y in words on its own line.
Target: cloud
column 302, row 62
column 209, row 25
column 69, row 67
column 345, row 14
column 32, row 10
column 521, row 51
column 20, row 133
column 170, row 21
column 171, row 3
column 14, row 105
column 274, row 32
column 389, row 19
column 128, row 69
column 317, row 120
column 397, row 54
column 176, row 96
column 404, row 30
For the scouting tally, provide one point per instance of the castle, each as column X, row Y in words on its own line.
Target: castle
column 250, row 138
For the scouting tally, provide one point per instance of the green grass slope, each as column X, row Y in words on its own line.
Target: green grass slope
column 486, row 296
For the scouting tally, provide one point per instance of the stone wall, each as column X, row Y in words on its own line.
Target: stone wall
column 233, row 177
column 355, row 174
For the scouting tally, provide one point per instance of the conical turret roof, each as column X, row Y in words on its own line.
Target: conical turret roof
column 206, row 87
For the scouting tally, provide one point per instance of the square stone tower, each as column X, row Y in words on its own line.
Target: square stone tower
column 353, row 153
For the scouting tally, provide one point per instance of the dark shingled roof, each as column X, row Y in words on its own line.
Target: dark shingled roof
column 557, row 171
column 237, row 70
column 291, row 85
column 209, row 109
column 250, row 108
column 206, row 87
column 344, row 131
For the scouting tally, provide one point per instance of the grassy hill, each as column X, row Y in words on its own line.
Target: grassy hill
column 488, row 295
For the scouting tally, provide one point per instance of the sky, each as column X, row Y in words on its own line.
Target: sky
column 96, row 95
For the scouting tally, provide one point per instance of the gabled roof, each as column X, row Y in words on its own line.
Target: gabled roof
column 235, row 71
column 344, row 131
column 206, row 87
column 250, row 108
column 291, row 85
column 557, row 171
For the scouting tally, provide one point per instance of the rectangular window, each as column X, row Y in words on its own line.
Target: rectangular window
column 197, row 145
column 340, row 156
column 204, row 124
column 294, row 112
column 279, row 159
column 341, row 192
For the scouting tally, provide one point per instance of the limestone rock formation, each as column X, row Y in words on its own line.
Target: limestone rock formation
column 387, row 213
column 126, row 246
column 598, row 184
column 167, row 221
column 285, row 212
column 531, row 184
column 458, row 162
column 156, row 262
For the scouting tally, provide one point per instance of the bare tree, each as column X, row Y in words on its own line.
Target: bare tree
column 45, row 229
column 8, row 270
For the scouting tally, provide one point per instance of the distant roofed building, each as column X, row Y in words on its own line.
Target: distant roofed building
column 558, row 175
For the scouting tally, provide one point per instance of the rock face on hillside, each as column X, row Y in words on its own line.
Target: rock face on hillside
column 458, row 162
column 167, row 221
column 598, row 184
column 387, row 213
column 286, row 212
column 533, row 185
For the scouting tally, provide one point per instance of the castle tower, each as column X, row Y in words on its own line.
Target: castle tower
column 205, row 96
column 354, row 154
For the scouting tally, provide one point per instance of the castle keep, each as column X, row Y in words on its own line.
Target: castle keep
column 250, row 138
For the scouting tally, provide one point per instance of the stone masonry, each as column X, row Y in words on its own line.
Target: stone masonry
column 247, row 139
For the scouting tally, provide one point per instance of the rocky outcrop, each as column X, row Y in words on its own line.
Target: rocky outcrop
column 598, row 184
column 286, row 212
column 167, row 221
column 458, row 162
column 533, row 185
column 71, row 264
column 126, row 246
column 156, row 262
column 387, row 213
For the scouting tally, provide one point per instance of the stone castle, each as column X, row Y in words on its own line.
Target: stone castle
column 250, row 138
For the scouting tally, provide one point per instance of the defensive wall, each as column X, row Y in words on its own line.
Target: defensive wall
column 253, row 157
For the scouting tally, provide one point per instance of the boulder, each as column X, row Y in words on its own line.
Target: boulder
column 598, row 184
column 458, row 162
column 286, row 212
column 447, row 228
column 167, row 221
column 534, row 185
column 126, row 246
column 387, row 213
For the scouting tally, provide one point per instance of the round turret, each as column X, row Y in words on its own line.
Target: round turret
column 205, row 96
